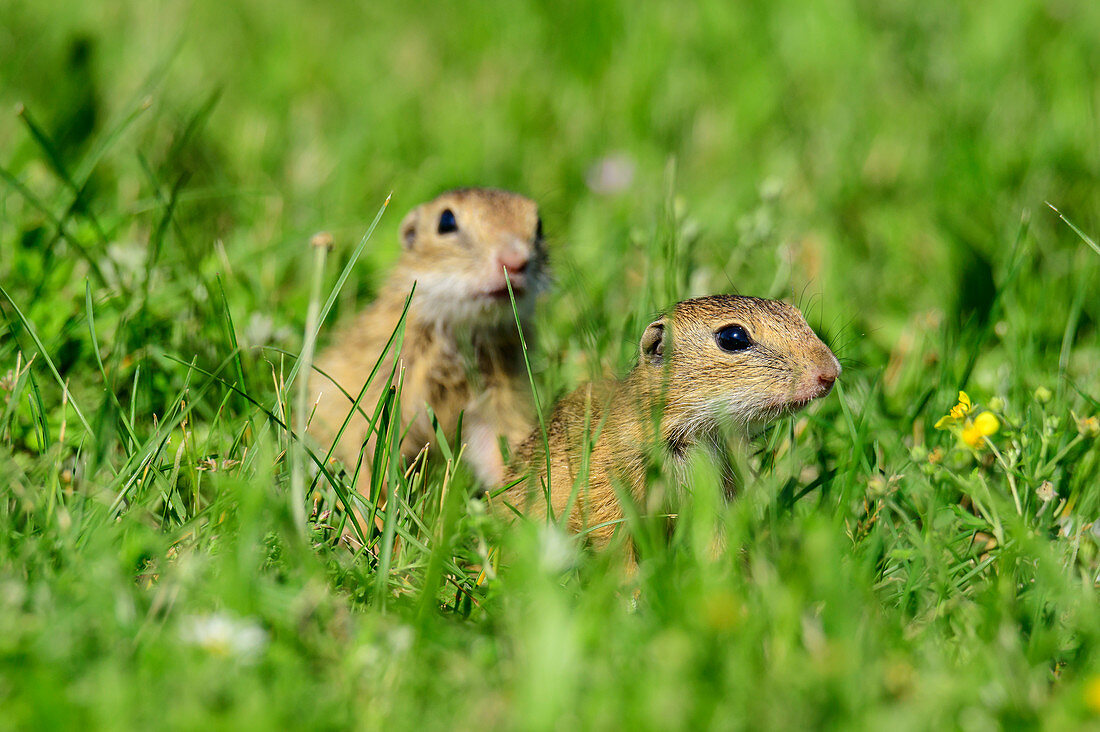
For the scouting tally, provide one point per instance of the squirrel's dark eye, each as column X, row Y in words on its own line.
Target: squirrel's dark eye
column 733, row 338
column 447, row 223
column 538, row 230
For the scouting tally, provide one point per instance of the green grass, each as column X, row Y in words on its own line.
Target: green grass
column 886, row 166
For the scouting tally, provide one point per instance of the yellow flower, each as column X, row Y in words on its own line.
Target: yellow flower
column 957, row 413
column 971, row 429
column 976, row 430
column 963, row 408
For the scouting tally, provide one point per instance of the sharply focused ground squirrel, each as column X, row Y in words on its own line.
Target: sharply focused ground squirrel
column 711, row 360
column 461, row 351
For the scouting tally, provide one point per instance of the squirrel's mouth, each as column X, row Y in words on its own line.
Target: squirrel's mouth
column 501, row 293
column 519, row 289
column 787, row 407
column 794, row 405
column 808, row 392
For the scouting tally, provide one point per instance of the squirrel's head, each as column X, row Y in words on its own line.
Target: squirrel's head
column 726, row 358
column 463, row 249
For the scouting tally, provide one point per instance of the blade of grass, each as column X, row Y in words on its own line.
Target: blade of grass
column 391, row 448
column 1016, row 261
column 340, row 282
column 230, row 332
column 588, row 443
column 341, row 492
column 1084, row 237
column 54, row 158
column 534, row 394
column 38, row 413
column 195, row 123
column 156, row 241
column 320, row 244
column 58, row 224
column 29, row 327
column 106, row 142
column 394, row 342
column 174, row 415
column 22, row 373
column 126, row 423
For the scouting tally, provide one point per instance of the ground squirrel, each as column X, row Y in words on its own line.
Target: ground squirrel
column 711, row 360
column 461, row 351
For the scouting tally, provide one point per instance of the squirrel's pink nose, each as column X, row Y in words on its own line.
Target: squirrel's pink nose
column 515, row 262
column 827, row 376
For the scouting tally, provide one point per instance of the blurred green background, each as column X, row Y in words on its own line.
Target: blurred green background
column 900, row 144
column 886, row 165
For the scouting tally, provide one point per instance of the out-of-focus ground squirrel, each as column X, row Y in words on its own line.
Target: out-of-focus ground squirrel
column 710, row 361
column 461, row 351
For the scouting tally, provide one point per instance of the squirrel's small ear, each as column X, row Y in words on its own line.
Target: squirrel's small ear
column 408, row 228
column 653, row 342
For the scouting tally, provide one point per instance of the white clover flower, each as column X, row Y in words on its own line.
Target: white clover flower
column 221, row 634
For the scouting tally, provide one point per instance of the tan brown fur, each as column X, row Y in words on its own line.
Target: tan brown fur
column 461, row 350
column 682, row 390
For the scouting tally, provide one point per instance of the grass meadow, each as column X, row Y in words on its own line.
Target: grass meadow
column 893, row 168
